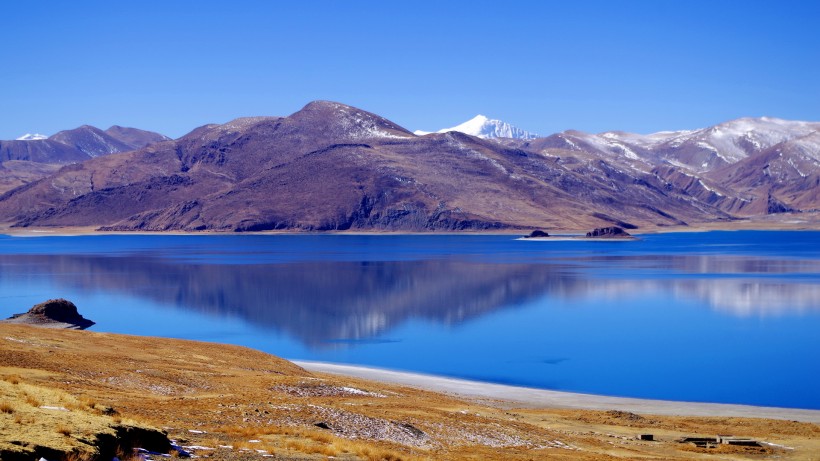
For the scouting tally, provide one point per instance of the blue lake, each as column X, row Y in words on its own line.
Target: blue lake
column 728, row 317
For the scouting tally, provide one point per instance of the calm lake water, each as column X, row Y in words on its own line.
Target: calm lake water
column 715, row 317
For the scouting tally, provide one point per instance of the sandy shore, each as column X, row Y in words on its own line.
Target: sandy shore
column 540, row 398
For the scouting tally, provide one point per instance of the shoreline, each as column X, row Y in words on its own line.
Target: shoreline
column 559, row 237
column 807, row 221
column 526, row 397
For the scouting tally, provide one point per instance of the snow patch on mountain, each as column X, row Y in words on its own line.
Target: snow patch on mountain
column 486, row 128
column 32, row 137
column 737, row 139
column 361, row 125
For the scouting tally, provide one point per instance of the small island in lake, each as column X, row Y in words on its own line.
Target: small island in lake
column 613, row 232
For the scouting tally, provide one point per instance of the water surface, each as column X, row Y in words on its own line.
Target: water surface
column 716, row 317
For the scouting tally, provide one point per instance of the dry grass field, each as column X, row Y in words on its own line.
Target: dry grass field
column 233, row 403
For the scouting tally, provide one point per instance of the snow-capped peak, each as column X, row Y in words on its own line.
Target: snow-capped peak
column 32, row 137
column 486, row 128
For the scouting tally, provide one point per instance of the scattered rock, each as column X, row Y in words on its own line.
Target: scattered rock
column 413, row 430
column 608, row 232
column 629, row 416
column 54, row 313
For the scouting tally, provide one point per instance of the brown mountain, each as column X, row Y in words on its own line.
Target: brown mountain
column 334, row 167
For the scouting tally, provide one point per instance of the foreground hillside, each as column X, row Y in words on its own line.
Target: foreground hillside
column 228, row 402
column 334, row 167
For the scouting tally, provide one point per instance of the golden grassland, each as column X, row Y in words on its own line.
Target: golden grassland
column 42, row 416
column 234, row 403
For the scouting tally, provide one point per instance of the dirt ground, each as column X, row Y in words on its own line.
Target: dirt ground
column 233, row 403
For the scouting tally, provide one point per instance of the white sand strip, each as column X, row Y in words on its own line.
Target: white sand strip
column 540, row 398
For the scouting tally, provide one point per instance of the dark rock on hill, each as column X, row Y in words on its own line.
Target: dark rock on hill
column 54, row 313
column 102, row 442
column 776, row 206
column 608, row 232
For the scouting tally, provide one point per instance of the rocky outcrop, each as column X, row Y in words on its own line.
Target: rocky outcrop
column 776, row 206
column 54, row 313
column 537, row 234
column 102, row 444
column 608, row 232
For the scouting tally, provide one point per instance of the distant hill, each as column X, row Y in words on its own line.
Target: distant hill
column 30, row 156
column 75, row 145
column 334, row 167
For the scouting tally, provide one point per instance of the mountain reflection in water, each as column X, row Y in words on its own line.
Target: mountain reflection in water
column 326, row 303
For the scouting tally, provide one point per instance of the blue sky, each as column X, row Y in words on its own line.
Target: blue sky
column 545, row 66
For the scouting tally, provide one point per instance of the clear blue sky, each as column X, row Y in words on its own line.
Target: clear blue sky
column 545, row 66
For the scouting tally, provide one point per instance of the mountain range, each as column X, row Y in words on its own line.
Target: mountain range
column 330, row 166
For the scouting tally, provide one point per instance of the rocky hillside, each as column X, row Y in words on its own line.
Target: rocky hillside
column 334, row 167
